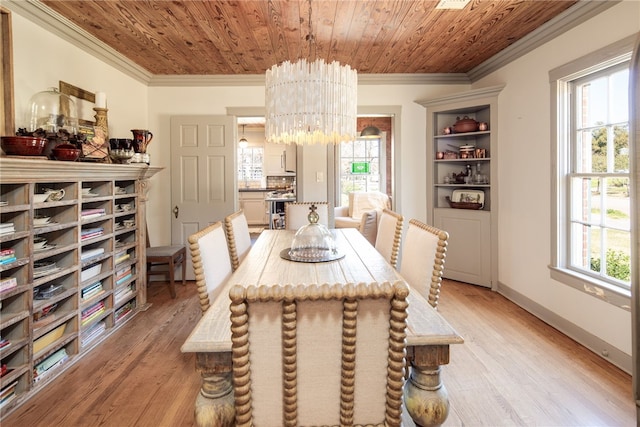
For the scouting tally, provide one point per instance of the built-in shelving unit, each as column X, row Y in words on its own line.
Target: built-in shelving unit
column 72, row 270
column 472, row 247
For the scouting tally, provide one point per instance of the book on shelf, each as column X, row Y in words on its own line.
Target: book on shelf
column 91, row 212
column 8, row 393
column 8, row 260
column 7, row 228
column 123, row 279
column 42, row 369
column 92, row 309
column 124, row 310
column 45, row 315
column 89, row 253
column 92, row 290
column 92, row 333
column 8, row 283
column 122, row 257
column 7, row 253
column 4, row 343
column 123, row 293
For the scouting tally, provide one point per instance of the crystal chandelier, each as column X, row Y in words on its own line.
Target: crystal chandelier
column 311, row 102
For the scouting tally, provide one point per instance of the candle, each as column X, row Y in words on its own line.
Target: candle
column 101, row 100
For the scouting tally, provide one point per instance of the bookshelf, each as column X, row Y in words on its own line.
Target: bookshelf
column 72, row 270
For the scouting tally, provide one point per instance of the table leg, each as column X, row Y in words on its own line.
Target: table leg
column 214, row 404
column 425, row 396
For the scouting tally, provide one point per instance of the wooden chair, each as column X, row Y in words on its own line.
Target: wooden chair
column 238, row 237
column 163, row 261
column 423, row 252
column 295, row 214
column 211, row 262
column 389, row 235
column 327, row 374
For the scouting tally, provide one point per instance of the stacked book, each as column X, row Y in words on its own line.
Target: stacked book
column 8, row 393
column 4, row 343
column 122, row 256
column 7, row 228
column 8, row 283
column 45, row 315
column 92, row 312
column 44, row 368
column 123, row 275
column 124, row 293
column 88, row 233
column 90, row 253
column 92, row 333
column 92, row 213
column 91, row 290
column 7, row 256
column 125, row 310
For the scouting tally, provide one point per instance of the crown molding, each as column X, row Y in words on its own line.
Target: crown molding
column 575, row 15
column 52, row 21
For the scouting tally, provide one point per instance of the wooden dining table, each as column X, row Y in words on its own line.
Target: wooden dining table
column 428, row 333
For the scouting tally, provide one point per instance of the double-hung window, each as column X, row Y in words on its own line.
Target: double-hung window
column 592, row 209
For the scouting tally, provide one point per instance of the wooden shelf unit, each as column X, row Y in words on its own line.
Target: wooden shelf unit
column 76, row 324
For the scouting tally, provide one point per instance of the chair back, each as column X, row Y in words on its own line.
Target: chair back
column 296, row 213
column 341, row 351
column 389, row 235
column 238, row 237
column 423, row 252
column 211, row 262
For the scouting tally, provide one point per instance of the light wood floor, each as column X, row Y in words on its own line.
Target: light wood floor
column 512, row 370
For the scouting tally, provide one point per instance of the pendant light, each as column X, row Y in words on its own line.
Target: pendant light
column 371, row 132
column 243, row 143
column 311, row 102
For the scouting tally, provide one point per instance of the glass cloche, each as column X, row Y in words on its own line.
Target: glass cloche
column 52, row 111
column 313, row 242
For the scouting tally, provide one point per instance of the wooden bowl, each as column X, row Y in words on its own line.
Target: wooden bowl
column 465, row 125
column 66, row 152
column 23, row 145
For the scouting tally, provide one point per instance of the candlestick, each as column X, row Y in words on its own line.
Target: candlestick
column 101, row 121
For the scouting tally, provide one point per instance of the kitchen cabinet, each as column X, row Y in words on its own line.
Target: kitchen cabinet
column 72, row 270
column 279, row 158
column 472, row 246
column 254, row 207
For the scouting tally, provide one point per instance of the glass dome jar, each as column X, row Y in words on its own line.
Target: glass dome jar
column 52, row 110
column 313, row 242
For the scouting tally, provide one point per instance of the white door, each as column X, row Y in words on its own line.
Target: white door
column 203, row 174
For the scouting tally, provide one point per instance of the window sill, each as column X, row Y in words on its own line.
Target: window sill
column 615, row 296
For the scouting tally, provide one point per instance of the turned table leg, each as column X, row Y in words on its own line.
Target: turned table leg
column 214, row 404
column 425, row 396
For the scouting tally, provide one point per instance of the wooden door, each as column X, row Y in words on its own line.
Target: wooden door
column 203, row 174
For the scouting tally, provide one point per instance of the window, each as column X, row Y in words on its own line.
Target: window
column 250, row 160
column 360, row 170
column 593, row 209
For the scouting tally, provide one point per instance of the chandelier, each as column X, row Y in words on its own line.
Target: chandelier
column 311, row 102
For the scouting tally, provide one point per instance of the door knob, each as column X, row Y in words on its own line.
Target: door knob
column 176, row 211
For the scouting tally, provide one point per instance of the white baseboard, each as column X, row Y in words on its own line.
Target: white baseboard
column 603, row 349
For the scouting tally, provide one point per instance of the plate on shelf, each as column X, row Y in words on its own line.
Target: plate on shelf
column 46, row 247
column 467, row 196
column 90, row 194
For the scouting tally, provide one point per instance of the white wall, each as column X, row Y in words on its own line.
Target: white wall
column 41, row 59
column 525, row 175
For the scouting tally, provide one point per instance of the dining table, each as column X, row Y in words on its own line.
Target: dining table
column 429, row 335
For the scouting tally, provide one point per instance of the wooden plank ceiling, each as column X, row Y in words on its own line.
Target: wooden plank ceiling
column 248, row 37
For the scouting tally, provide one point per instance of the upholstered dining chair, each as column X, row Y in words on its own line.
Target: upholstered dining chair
column 295, row 214
column 389, row 235
column 211, row 262
column 423, row 252
column 238, row 237
column 341, row 349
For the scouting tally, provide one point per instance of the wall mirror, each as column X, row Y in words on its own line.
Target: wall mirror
column 85, row 101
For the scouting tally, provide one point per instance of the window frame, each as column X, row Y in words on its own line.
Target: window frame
column 561, row 80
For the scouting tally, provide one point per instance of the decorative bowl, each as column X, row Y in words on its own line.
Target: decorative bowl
column 66, row 152
column 23, row 145
column 465, row 125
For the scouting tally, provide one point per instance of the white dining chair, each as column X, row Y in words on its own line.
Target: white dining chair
column 324, row 355
column 211, row 262
column 389, row 235
column 296, row 213
column 423, row 253
column 238, row 237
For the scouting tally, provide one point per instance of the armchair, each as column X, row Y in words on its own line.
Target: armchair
column 364, row 213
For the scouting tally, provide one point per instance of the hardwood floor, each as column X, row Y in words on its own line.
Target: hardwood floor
column 512, row 370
